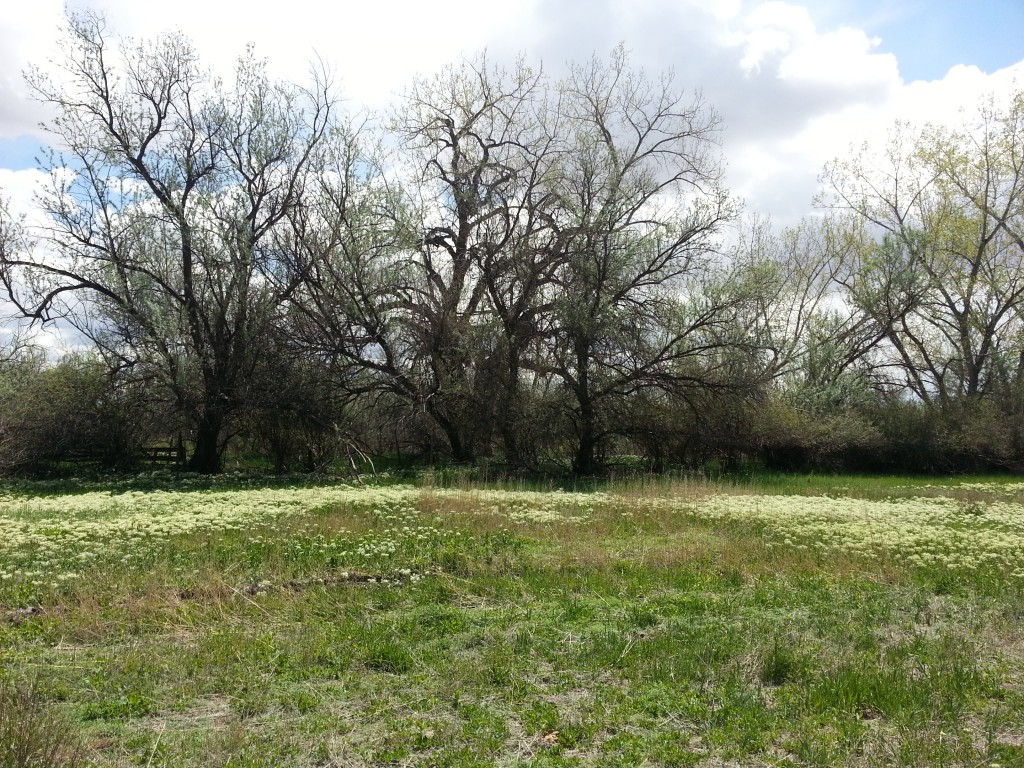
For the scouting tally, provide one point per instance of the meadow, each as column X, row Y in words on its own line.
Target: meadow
column 787, row 621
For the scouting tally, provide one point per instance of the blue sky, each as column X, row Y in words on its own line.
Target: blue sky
column 19, row 153
column 930, row 36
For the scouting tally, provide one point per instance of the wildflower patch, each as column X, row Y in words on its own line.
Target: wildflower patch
column 924, row 531
column 48, row 541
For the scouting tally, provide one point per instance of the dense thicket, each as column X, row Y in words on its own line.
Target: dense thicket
column 507, row 267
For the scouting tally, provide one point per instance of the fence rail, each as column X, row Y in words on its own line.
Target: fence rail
column 163, row 454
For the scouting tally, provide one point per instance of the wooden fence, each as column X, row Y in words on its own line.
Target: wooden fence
column 165, row 454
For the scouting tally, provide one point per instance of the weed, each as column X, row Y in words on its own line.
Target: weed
column 782, row 662
column 32, row 735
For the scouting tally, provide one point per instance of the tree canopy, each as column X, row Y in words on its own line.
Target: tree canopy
column 509, row 267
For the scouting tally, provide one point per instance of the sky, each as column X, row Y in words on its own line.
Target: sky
column 796, row 83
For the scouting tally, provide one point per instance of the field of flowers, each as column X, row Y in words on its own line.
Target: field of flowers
column 839, row 623
column 933, row 531
column 49, row 540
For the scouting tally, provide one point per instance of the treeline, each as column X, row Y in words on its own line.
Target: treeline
column 506, row 267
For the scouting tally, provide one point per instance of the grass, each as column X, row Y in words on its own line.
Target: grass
column 649, row 622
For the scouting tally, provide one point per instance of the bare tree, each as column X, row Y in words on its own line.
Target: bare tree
column 476, row 147
column 424, row 273
column 13, row 246
column 813, row 341
column 164, row 205
column 640, row 205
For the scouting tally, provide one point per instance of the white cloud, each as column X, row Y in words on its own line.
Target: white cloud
column 376, row 47
column 784, row 35
column 838, row 92
column 787, row 18
column 27, row 34
column 18, row 189
column 951, row 101
column 761, row 43
column 843, row 57
column 723, row 10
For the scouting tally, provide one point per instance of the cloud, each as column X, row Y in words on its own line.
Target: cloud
column 766, row 68
column 27, row 34
column 375, row 47
column 18, row 188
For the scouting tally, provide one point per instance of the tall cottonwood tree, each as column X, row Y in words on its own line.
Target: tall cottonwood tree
column 163, row 208
column 475, row 147
column 982, row 165
column 640, row 205
column 426, row 275
column 799, row 270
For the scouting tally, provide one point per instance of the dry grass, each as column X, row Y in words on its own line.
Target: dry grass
column 32, row 735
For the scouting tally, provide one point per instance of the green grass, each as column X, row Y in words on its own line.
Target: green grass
column 465, row 628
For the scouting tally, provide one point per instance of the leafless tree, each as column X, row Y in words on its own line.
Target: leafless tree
column 425, row 273
column 640, row 207
column 946, row 282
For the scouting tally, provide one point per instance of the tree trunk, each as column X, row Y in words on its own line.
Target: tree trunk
column 461, row 447
column 510, row 437
column 585, row 462
column 510, row 414
column 206, row 456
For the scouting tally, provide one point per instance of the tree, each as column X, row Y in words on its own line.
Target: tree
column 165, row 208
column 428, row 280
column 639, row 208
column 300, row 412
column 71, row 408
column 18, row 368
column 942, row 281
column 14, row 244
column 945, row 281
column 806, row 336
column 982, row 165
